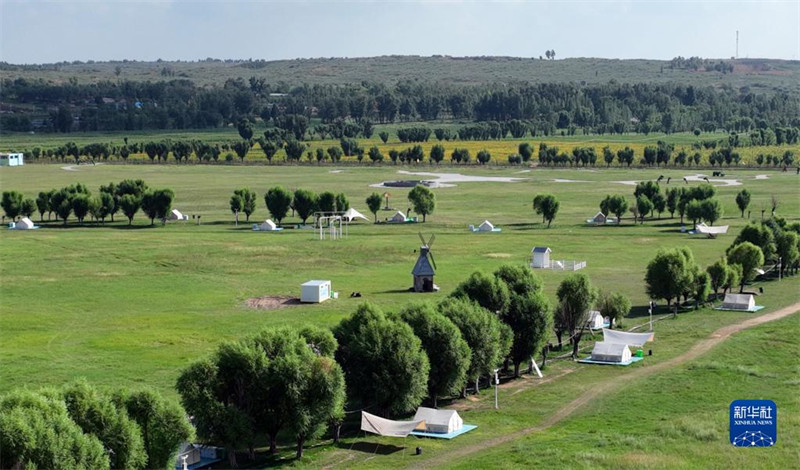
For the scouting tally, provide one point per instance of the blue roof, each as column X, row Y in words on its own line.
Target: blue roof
column 541, row 249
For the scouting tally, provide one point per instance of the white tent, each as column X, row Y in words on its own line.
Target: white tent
column 387, row 427
column 353, row 214
column 628, row 339
column 486, row 226
column 611, row 352
column 24, row 224
column 175, row 214
column 596, row 321
column 739, row 302
column 711, row 231
column 268, row 226
column 441, row 421
column 398, row 217
column 599, row 218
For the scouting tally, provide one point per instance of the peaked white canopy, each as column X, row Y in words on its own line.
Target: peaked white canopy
column 705, row 229
column 739, row 302
column 353, row 214
column 24, row 224
column 628, row 339
column 387, row 427
column 611, row 352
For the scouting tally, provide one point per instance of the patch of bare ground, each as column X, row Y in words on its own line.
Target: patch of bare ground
column 272, row 302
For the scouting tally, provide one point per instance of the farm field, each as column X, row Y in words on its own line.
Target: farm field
column 124, row 305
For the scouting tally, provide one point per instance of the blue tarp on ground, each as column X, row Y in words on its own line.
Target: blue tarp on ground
column 202, row 463
column 464, row 429
column 589, row 360
column 754, row 309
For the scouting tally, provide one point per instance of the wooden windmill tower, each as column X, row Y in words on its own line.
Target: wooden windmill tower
column 425, row 267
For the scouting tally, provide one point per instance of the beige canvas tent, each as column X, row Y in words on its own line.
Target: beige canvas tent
column 266, row 226
column 398, row 217
column 739, row 302
column 386, row 427
column 439, row 421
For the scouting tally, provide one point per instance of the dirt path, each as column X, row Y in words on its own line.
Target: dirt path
column 694, row 352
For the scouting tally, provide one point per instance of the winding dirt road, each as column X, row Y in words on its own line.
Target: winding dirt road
column 602, row 388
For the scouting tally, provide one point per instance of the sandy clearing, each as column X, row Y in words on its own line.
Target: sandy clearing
column 559, row 180
column 701, row 178
column 445, row 180
column 73, row 167
column 762, row 177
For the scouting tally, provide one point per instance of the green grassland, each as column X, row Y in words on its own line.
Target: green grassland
column 758, row 74
column 122, row 305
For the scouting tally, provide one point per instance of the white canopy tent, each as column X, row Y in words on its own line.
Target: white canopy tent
column 387, row 427
column 351, row 214
column 739, row 302
column 398, row 217
column 610, row 352
column 628, row 339
column 596, row 320
column 175, row 214
column 267, row 226
column 486, row 226
column 711, row 231
column 440, row 421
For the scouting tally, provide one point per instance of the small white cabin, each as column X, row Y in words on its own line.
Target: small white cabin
column 315, row 291
column 540, row 257
column 11, row 159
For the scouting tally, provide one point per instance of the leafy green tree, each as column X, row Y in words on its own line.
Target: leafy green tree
column 711, row 210
column 216, row 418
column 383, row 361
column 248, row 198
column 694, row 211
column 294, row 149
column 448, row 353
column 97, row 415
column 80, row 206
column 130, row 205
column 375, row 154
column 483, row 332
column 484, row 156
column 733, row 278
column 305, row 203
column 749, row 257
column 759, row 235
column 787, row 243
column 490, row 292
column 526, row 151
column 342, row 203
column 718, row 274
column 423, row 200
column 673, row 195
column 61, row 203
column 384, row 136
column 163, row 423
column 241, row 148
column 278, row 201
column 335, row 153
column 245, row 129
column 547, row 206
column 12, row 204
column 236, row 203
column 530, row 319
column 575, row 297
column 321, row 400
column 36, row 432
column 643, row 207
column 669, row 274
column 327, row 202
column 157, row 203
column 374, row 201
column 743, row 200
column 28, row 207
column 701, row 288
column 437, row 153
column 43, row 204
column 270, row 148
column 519, row 279
column 613, row 306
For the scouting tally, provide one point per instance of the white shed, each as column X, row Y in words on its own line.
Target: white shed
column 611, row 352
column 11, row 159
column 24, row 224
column 398, row 217
column 744, row 302
column 540, row 257
column 441, row 421
column 315, row 291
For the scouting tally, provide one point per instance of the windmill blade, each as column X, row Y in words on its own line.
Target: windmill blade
column 422, row 239
column 433, row 261
column 430, row 242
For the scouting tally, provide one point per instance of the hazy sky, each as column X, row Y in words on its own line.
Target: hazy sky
column 36, row 31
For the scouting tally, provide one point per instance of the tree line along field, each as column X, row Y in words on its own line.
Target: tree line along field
column 500, row 150
column 757, row 73
column 142, row 303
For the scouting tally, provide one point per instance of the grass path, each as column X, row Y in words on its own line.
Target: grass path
column 697, row 350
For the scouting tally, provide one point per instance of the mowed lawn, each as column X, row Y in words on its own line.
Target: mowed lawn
column 123, row 306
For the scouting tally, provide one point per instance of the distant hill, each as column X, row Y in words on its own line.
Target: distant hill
column 758, row 74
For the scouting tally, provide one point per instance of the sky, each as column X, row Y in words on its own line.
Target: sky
column 37, row 31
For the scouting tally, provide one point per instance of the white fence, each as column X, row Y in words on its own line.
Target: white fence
column 564, row 265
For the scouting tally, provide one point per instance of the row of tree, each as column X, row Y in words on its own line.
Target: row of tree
column 128, row 197
column 182, row 104
column 80, row 426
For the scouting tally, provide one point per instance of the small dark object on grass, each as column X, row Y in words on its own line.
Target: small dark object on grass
column 760, row 290
column 355, row 294
column 419, row 451
column 649, row 352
